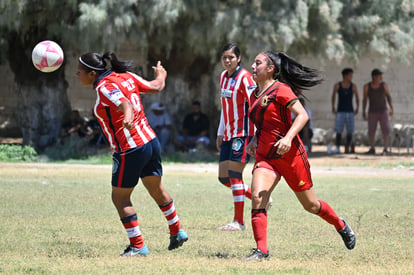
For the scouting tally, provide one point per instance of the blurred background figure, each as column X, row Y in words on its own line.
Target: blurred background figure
column 160, row 122
column 195, row 130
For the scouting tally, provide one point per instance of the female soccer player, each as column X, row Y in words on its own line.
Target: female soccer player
column 136, row 148
column 235, row 130
column 277, row 146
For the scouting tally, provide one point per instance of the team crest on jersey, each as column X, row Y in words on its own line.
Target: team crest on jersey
column 264, row 100
column 115, row 165
column 233, row 83
column 236, row 145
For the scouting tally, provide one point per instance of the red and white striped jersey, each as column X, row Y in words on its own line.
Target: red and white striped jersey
column 235, row 100
column 111, row 89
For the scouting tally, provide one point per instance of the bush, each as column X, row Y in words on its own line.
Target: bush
column 17, row 153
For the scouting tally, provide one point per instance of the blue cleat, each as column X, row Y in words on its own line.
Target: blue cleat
column 134, row 251
column 177, row 240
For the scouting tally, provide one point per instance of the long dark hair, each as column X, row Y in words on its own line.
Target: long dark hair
column 233, row 48
column 95, row 62
column 291, row 72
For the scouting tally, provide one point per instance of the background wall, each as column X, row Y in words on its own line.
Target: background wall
column 178, row 94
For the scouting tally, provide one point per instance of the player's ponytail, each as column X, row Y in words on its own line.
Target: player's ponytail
column 118, row 66
column 93, row 62
column 291, row 72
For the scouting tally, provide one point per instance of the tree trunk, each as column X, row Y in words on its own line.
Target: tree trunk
column 42, row 97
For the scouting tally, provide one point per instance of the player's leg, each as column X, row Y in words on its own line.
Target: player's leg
column 264, row 181
column 151, row 178
column 121, row 198
column 125, row 175
column 322, row 209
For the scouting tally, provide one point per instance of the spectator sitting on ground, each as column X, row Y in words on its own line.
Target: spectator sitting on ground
column 76, row 124
column 160, row 122
column 195, row 130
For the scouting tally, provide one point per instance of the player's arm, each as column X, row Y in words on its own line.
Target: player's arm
column 388, row 96
column 220, row 132
column 126, row 108
column 335, row 91
column 355, row 91
column 158, row 84
column 284, row 144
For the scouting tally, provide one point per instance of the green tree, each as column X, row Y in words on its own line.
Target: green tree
column 187, row 36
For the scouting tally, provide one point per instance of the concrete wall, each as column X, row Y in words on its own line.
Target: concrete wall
column 399, row 77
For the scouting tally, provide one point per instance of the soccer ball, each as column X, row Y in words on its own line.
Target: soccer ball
column 47, row 56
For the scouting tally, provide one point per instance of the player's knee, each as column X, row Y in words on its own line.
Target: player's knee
column 313, row 208
column 224, row 180
column 235, row 174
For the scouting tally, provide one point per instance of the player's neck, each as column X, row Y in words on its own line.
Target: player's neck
column 263, row 86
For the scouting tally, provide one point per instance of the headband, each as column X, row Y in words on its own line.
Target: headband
column 89, row 66
column 269, row 59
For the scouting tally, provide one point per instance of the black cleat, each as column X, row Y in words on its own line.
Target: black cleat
column 177, row 240
column 348, row 236
column 257, row 255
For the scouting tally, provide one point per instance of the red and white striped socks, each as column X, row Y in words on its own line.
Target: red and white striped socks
column 170, row 214
column 132, row 228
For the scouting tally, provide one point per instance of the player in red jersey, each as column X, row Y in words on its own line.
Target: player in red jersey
column 235, row 130
column 278, row 149
column 137, row 150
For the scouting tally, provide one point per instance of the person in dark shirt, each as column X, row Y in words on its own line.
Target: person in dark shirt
column 345, row 111
column 195, row 130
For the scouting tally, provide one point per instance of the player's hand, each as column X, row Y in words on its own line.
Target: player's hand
column 159, row 70
column 283, row 145
column 252, row 147
column 391, row 111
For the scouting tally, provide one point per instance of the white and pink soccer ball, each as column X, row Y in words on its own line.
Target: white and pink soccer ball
column 47, row 56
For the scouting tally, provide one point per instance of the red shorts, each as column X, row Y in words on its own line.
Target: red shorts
column 294, row 169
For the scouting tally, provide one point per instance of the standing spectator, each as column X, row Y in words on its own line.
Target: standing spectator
column 345, row 112
column 195, row 129
column 278, row 149
column 136, row 147
column 378, row 94
column 235, row 130
column 160, row 121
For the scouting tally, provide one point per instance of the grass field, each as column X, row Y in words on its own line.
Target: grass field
column 59, row 219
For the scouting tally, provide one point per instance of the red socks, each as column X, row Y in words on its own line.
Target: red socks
column 259, row 226
column 170, row 214
column 134, row 233
column 329, row 215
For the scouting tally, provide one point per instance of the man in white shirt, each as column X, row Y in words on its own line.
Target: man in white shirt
column 160, row 122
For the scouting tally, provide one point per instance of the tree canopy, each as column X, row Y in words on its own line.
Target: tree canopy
column 188, row 35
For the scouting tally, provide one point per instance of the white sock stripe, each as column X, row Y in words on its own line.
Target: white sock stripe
column 174, row 220
column 246, row 187
column 237, row 187
column 169, row 211
column 238, row 198
column 133, row 232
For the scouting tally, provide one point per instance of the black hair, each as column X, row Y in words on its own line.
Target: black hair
column 292, row 73
column 347, row 71
column 196, row 102
column 232, row 47
column 95, row 62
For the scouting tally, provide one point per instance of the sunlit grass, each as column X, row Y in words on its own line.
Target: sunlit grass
column 59, row 219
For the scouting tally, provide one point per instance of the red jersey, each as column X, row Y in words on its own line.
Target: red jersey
column 235, row 99
column 111, row 89
column 272, row 118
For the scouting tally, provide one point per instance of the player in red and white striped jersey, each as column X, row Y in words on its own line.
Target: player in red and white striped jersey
column 136, row 148
column 235, row 130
